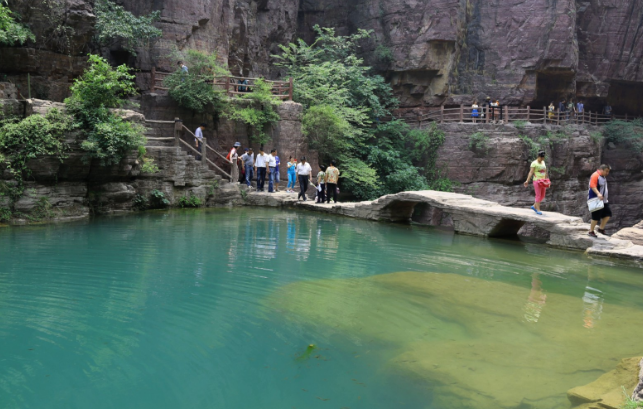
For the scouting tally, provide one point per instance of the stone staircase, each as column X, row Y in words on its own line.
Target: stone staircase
column 160, row 136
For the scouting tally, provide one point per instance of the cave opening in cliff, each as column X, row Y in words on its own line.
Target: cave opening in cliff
column 553, row 86
column 121, row 57
column 625, row 98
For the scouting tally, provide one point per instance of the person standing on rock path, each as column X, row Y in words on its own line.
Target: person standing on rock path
column 580, row 108
column 292, row 175
column 233, row 157
column 260, row 169
column 332, row 177
column 541, row 182
column 272, row 165
column 277, row 175
column 321, row 184
column 598, row 188
column 303, row 173
column 198, row 139
column 248, row 160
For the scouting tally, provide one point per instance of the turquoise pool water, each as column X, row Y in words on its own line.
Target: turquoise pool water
column 217, row 308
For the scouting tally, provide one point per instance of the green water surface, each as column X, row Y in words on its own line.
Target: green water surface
column 219, row 309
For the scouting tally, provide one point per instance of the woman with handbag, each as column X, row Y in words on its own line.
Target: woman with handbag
column 541, row 182
column 597, row 200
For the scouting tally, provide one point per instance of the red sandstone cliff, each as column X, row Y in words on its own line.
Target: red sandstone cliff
column 524, row 52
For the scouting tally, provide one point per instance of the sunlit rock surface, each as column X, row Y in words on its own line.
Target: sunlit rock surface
column 475, row 343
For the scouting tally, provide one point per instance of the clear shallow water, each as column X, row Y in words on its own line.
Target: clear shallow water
column 216, row 309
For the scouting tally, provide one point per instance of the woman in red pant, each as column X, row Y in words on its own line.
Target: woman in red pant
column 541, row 182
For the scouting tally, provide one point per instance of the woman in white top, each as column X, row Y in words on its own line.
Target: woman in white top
column 303, row 173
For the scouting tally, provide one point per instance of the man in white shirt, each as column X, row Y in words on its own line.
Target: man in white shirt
column 303, row 173
column 198, row 140
column 272, row 166
column 260, row 169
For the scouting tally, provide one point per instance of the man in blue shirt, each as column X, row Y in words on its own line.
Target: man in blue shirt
column 183, row 67
column 580, row 107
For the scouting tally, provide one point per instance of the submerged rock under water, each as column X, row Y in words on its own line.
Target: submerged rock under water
column 476, row 343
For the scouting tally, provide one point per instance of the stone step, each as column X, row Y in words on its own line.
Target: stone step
column 155, row 141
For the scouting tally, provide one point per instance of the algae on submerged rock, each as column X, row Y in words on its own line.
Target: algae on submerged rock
column 476, row 343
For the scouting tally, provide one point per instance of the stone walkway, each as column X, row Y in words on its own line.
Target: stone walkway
column 466, row 215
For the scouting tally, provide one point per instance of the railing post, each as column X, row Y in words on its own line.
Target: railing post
column 461, row 113
column 506, row 108
column 558, row 118
column 204, row 152
column 528, row 112
column 178, row 128
column 626, row 117
column 441, row 114
column 544, row 114
column 227, row 86
column 486, row 109
column 153, row 87
column 290, row 91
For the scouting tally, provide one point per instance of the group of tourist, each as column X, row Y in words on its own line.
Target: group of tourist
column 492, row 108
column 566, row 109
column 597, row 192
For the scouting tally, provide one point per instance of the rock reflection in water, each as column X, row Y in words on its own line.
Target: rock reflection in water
column 471, row 341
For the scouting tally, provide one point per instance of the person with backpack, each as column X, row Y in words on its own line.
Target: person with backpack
column 292, row 175
column 571, row 110
column 541, row 181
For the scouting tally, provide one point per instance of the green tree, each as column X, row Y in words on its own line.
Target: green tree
column 27, row 139
column 257, row 110
column 348, row 117
column 114, row 23
column 194, row 90
column 11, row 32
column 94, row 95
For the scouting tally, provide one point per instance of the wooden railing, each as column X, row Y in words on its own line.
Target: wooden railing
column 233, row 86
column 179, row 141
column 507, row 114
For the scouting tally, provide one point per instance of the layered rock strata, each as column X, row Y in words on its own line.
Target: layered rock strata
column 77, row 187
column 433, row 52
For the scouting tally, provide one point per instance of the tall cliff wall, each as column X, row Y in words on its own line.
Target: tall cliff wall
column 499, row 173
column 442, row 52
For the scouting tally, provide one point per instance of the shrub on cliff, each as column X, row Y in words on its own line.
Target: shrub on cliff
column 100, row 89
column 27, row 139
column 628, row 133
column 114, row 23
column 348, row 118
column 11, row 32
column 258, row 112
column 193, row 90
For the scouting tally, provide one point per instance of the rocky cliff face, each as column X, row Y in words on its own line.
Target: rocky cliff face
column 499, row 173
column 433, row 52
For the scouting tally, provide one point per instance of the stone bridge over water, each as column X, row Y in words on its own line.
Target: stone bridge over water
column 468, row 215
